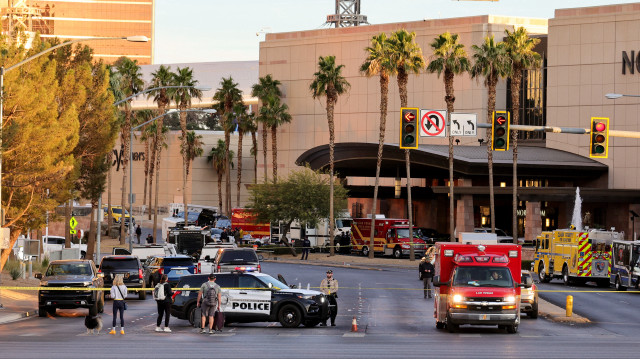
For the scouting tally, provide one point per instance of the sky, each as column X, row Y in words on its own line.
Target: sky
column 225, row 30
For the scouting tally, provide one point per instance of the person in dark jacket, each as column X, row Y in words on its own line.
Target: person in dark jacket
column 164, row 305
column 427, row 270
column 138, row 233
column 306, row 245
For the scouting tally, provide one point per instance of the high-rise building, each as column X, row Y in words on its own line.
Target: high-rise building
column 86, row 19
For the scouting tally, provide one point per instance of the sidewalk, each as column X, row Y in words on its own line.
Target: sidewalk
column 17, row 304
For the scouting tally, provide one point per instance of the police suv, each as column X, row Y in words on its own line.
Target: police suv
column 253, row 297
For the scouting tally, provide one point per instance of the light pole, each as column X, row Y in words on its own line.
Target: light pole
column 613, row 96
column 12, row 67
column 131, row 161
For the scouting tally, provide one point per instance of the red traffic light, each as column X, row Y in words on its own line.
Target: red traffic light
column 599, row 138
column 600, row 126
column 501, row 120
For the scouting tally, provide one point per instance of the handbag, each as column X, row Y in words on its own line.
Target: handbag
column 125, row 302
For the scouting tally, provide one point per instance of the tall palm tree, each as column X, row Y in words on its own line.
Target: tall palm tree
column 329, row 82
column 266, row 87
column 115, row 87
column 162, row 77
column 450, row 58
column 218, row 158
column 160, row 143
column 242, row 119
column 520, row 50
column 131, row 83
column 379, row 62
column 227, row 96
column 184, row 77
column 144, row 116
column 490, row 61
column 192, row 148
column 252, row 127
column 407, row 57
column 275, row 114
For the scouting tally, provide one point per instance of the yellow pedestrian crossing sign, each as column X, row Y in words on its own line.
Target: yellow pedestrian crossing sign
column 73, row 223
column 73, row 231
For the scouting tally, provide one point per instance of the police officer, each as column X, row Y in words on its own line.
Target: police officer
column 329, row 287
column 306, row 245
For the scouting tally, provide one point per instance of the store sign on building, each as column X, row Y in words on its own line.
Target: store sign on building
column 118, row 158
column 631, row 62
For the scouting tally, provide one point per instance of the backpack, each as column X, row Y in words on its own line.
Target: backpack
column 211, row 296
column 158, row 292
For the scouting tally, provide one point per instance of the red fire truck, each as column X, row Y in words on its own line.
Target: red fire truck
column 478, row 285
column 391, row 237
column 245, row 220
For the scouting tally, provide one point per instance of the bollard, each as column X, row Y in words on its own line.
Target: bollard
column 569, row 305
column 30, row 268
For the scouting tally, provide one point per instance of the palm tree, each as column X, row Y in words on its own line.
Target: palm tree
column 520, row 50
column 265, row 88
column 275, row 114
column 379, row 62
column 183, row 96
column 115, row 87
column 450, row 58
column 162, row 77
column 227, row 96
column 144, row 116
column 192, row 148
column 130, row 83
column 328, row 81
column 244, row 126
column 407, row 57
column 252, row 127
column 490, row 61
column 217, row 156
column 160, row 142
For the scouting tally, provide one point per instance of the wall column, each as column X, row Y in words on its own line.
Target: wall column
column 532, row 222
column 464, row 209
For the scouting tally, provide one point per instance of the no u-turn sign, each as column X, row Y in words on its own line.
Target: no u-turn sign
column 433, row 123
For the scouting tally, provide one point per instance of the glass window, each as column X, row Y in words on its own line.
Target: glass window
column 181, row 262
column 482, row 277
column 111, row 264
column 246, row 281
column 83, row 269
column 238, row 256
column 276, row 283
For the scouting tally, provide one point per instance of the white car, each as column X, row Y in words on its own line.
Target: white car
column 502, row 236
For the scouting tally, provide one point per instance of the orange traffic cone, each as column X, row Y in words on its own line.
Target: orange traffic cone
column 354, row 325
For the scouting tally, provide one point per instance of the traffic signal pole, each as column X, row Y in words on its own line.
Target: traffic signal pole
column 571, row 130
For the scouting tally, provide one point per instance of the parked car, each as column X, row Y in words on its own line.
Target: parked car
column 208, row 255
column 529, row 297
column 228, row 260
column 130, row 268
column 116, row 214
column 173, row 266
column 430, row 235
column 70, row 273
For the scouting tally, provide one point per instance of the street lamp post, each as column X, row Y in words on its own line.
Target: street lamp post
column 131, row 160
column 3, row 71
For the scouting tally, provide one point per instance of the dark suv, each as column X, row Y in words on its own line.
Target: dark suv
column 173, row 266
column 230, row 259
column 80, row 274
column 129, row 267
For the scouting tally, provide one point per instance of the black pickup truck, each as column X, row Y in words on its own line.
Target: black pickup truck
column 66, row 276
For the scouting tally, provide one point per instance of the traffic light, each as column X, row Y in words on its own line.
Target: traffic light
column 599, row 137
column 408, row 128
column 500, row 131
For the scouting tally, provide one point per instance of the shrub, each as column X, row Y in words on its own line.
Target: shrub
column 13, row 267
column 45, row 263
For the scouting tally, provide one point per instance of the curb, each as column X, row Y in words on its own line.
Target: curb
column 557, row 314
column 14, row 317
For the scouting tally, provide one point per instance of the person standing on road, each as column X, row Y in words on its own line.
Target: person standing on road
column 329, row 286
column 164, row 305
column 209, row 301
column 118, row 293
column 306, row 245
column 139, row 233
column 427, row 270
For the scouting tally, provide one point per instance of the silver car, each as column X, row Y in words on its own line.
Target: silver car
column 529, row 297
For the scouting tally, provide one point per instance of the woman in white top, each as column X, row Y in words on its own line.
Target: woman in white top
column 118, row 294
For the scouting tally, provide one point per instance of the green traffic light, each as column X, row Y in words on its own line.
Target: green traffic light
column 500, row 143
column 409, row 140
column 598, row 149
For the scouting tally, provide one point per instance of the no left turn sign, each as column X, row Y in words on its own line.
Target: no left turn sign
column 433, row 123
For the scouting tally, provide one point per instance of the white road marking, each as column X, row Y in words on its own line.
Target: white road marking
column 353, row 335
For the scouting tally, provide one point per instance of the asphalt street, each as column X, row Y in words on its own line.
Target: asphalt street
column 394, row 321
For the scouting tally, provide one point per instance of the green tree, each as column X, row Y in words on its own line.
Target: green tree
column 162, row 77
column 192, row 148
column 379, row 62
column 267, row 87
column 227, row 96
column 142, row 117
column 275, row 114
column 37, row 142
column 115, row 78
column 450, row 58
column 159, row 142
column 252, row 127
column 184, row 77
column 328, row 82
column 302, row 196
column 245, row 123
column 407, row 57
column 219, row 158
column 490, row 61
column 131, row 83
column 520, row 50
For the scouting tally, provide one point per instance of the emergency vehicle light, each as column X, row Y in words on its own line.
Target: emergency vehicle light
column 482, row 259
column 501, row 259
column 513, row 254
column 462, row 259
column 448, row 252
